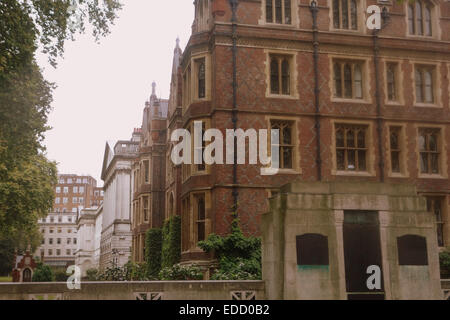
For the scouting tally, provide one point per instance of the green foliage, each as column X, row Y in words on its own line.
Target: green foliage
column 171, row 247
column 136, row 271
column 61, row 276
column 153, row 248
column 92, row 274
column 239, row 256
column 444, row 259
column 180, row 272
column 43, row 273
column 113, row 274
column 27, row 178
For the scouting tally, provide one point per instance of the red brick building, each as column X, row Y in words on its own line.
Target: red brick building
column 351, row 104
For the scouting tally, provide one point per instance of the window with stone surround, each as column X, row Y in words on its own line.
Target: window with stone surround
column 424, row 77
column 279, row 11
column 430, row 150
column 287, row 142
column 280, row 74
column 146, row 208
column 392, row 82
column 345, row 14
column 200, row 216
column 348, row 79
column 396, row 153
column 201, row 78
column 420, row 15
column 351, row 147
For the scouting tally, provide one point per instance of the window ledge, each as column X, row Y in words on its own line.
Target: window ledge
column 431, row 176
column 282, row 96
column 354, row 173
column 426, row 105
column 288, row 171
column 397, row 175
column 334, row 99
column 394, row 104
column 348, row 31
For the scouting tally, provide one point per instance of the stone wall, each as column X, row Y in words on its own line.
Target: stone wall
column 318, row 208
column 167, row 290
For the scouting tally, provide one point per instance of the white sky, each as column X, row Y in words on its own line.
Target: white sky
column 102, row 88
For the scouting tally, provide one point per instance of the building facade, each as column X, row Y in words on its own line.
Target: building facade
column 116, row 236
column 59, row 239
column 148, row 182
column 352, row 104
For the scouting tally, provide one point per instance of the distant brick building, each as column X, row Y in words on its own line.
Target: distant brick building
column 73, row 193
column 24, row 266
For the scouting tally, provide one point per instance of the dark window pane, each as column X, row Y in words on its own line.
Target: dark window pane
column 269, row 11
column 287, row 138
column 395, row 161
column 432, row 143
column 345, row 14
column 362, row 160
column 419, row 18
column 312, row 250
column 412, row 251
column 340, row 138
column 411, row 19
column 278, row 12
column 287, row 11
column 350, row 139
column 340, row 156
column 336, row 22
column 361, row 139
column 435, row 163
column 394, row 140
column 287, row 158
column 274, row 77
column 286, row 76
column 424, row 162
column 351, row 165
column 201, row 80
column 348, row 81
column 428, row 28
column 419, row 86
column 354, row 14
column 337, row 80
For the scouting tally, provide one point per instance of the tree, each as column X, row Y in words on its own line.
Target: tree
column 27, row 178
column 43, row 273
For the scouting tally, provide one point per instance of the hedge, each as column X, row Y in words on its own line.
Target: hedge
column 153, row 247
column 171, row 247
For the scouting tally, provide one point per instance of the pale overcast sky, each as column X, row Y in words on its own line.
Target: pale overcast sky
column 102, row 88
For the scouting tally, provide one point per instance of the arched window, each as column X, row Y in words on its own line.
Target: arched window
column 419, row 18
column 428, row 30
column 411, row 19
column 201, row 80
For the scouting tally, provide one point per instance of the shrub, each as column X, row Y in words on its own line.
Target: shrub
column 113, row 274
column 444, row 259
column 43, row 273
column 61, row 276
column 179, row 272
column 239, row 256
column 136, row 271
column 153, row 247
column 92, row 274
column 171, row 247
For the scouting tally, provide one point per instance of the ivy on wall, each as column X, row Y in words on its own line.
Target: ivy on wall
column 171, row 247
column 153, row 249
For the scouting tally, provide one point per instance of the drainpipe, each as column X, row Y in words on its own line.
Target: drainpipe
column 314, row 11
column 235, row 193
column 376, row 52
